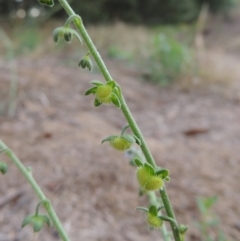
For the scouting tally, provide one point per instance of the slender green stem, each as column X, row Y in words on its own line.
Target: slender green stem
column 28, row 175
column 126, row 112
column 170, row 213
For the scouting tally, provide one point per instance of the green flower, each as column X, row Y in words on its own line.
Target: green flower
column 104, row 93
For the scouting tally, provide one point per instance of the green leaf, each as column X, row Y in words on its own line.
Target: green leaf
column 137, row 162
column 96, row 82
column 49, row 3
column 97, row 102
column 109, row 138
column 149, row 168
column 163, row 173
column 115, row 100
column 27, row 220
column 91, row 91
column 153, row 210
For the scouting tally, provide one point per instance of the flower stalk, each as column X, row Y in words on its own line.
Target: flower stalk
column 125, row 110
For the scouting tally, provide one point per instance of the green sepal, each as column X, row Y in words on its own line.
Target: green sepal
column 74, row 32
column 91, row 91
column 182, row 228
column 97, row 102
column 109, row 138
column 49, row 3
column 137, row 162
column 163, row 173
column 149, row 168
column 167, row 179
column 46, row 220
column 137, row 140
column 82, row 63
column 129, row 138
column 89, row 64
column 96, row 82
column 67, row 36
column 153, row 210
column 3, row 167
column 27, row 220
column 37, row 225
column 142, row 209
column 115, row 100
column 112, row 83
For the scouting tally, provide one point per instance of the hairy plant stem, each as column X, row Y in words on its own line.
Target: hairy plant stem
column 126, row 112
column 46, row 203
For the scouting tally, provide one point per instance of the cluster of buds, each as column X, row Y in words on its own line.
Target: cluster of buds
column 37, row 220
column 66, row 33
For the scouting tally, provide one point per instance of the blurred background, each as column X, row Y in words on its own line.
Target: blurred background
column 178, row 65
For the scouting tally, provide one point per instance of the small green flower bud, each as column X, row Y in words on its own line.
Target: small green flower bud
column 3, row 167
column 49, row 3
column 86, row 62
column 119, row 143
column 154, row 183
column 154, row 221
column 182, row 228
column 37, row 221
column 104, row 93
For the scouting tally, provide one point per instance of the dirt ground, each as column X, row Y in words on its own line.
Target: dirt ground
column 194, row 132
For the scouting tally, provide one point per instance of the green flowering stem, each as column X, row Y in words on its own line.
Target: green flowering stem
column 126, row 112
column 28, row 175
column 79, row 25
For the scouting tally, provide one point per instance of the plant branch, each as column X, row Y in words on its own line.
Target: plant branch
column 126, row 112
column 28, row 175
